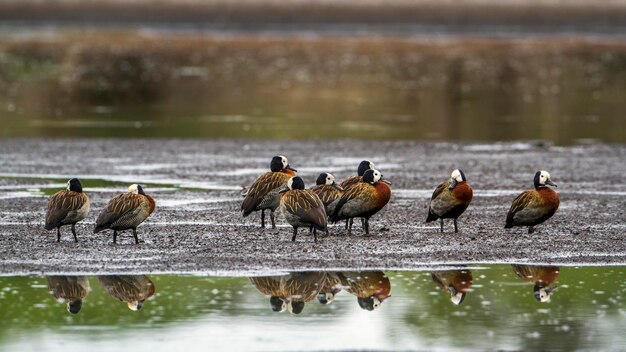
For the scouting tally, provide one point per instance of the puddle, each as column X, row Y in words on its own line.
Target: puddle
column 513, row 307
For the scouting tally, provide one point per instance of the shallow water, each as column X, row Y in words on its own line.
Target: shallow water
column 499, row 310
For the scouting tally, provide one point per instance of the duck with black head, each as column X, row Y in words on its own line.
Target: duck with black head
column 302, row 207
column 450, row 199
column 67, row 207
column 363, row 199
column 125, row 212
column 534, row 206
column 263, row 194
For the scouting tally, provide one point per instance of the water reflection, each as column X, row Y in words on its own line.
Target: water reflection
column 71, row 290
column 132, row 289
column 290, row 291
column 370, row 287
column 456, row 282
column 497, row 310
column 541, row 276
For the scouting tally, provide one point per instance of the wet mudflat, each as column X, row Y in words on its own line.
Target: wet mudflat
column 197, row 227
column 584, row 310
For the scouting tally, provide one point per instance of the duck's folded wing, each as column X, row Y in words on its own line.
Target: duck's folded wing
column 61, row 204
column 118, row 207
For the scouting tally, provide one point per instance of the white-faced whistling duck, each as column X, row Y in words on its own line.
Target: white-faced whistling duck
column 125, row 212
column 328, row 190
column 264, row 192
column 67, row 207
column 364, row 199
column 450, row 199
column 534, row 206
column 302, row 207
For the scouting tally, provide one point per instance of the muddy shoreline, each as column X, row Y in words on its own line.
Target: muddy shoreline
column 197, row 227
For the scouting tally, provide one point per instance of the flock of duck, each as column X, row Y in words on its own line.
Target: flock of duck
column 360, row 196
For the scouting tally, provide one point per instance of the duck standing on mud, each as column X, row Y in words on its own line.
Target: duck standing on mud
column 450, row 199
column 302, row 208
column 534, row 206
column 67, row 207
column 264, row 192
column 363, row 199
column 125, row 212
column 328, row 190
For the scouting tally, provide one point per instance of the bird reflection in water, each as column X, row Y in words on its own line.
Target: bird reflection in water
column 69, row 289
column 330, row 289
column 290, row 292
column 456, row 282
column 541, row 276
column 370, row 287
column 132, row 289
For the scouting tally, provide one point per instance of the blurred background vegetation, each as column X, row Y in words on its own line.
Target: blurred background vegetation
column 422, row 70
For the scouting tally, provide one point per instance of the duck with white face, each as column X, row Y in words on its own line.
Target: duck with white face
column 263, row 194
column 328, row 191
column 363, row 200
column 450, row 199
column 534, row 206
column 302, row 208
column 125, row 212
column 67, row 207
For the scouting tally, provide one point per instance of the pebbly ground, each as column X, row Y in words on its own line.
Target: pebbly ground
column 197, row 227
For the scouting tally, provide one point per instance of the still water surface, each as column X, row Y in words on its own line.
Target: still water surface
column 499, row 307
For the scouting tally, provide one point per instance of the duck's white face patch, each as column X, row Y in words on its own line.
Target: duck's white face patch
column 376, row 303
column 544, row 176
column 377, row 175
column 284, row 161
column 134, row 306
column 68, row 185
column 330, row 179
column 457, row 298
column 133, row 189
column 456, row 175
column 290, row 183
column 544, row 295
column 371, row 164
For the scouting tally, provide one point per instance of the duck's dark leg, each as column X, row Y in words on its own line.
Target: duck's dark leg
column 350, row 226
column 327, row 232
column 74, row 232
column 455, row 228
column 114, row 236
column 311, row 229
column 441, row 221
column 272, row 218
column 347, row 223
column 59, row 234
column 135, row 235
column 295, row 233
column 363, row 222
column 263, row 218
column 531, row 229
column 366, row 225
column 315, row 235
